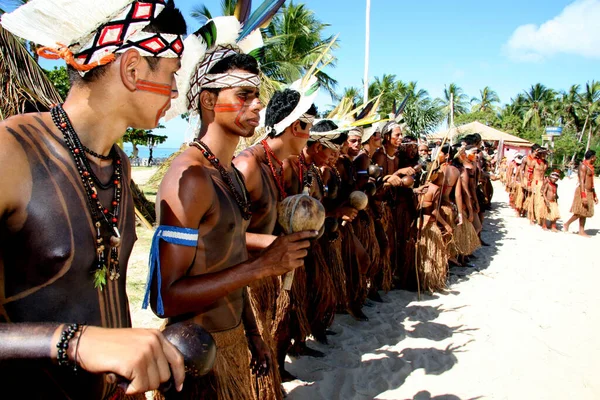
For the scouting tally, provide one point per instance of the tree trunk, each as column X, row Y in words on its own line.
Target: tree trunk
column 134, row 153
column 589, row 140
column 580, row 136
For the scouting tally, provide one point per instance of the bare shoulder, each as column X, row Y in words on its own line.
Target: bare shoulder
column 186, row 192
column 247, row 162
column 379, row 158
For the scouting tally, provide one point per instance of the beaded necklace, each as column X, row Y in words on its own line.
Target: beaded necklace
column 99, row 213
column 387, row 155
column 242, row 200
column 277, row 176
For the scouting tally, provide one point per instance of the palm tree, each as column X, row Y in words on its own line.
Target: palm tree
column 422, row 114
column 202, row 14
column 485, row 101
column 293, row 42
column 590, row 106
column 569, row 107
column 386, row 87
column 537, row 106
column 459, row 103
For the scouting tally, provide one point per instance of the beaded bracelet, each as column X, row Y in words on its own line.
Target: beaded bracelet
column 63, row 344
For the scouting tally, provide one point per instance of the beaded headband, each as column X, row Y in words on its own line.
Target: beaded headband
column 89, row 34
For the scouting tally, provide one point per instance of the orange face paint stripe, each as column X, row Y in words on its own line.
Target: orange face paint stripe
column 152, row 87
column 227, row 107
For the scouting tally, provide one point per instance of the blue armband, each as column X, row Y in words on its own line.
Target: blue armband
column 170, row 234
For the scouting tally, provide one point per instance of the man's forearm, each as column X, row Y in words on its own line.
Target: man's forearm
column 29, row 341
column 258, row 241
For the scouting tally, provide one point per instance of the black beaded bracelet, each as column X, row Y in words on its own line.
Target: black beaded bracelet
column 63, row 344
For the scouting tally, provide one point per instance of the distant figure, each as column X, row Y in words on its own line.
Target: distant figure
column 585, row 195
column 550, row 195
column 150, row 159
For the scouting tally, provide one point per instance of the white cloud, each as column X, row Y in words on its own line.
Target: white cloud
column 575, row 31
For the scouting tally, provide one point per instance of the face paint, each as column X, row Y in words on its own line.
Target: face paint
column 233, row 107
column 157, row 88
column 161, row 89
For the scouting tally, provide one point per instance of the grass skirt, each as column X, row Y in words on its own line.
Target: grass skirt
column 449, row 214
column 465, row 238
column 578, row 208
column 519, row 196
column 230, row 378
column 263, row 297
column 432, row 259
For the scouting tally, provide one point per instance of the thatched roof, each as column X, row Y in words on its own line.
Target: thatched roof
column 23, row 85
column 488, row 134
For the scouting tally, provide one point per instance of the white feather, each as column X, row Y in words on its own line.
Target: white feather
column 193, row 53
column 228, row 30
column 48, row 22
column 251, row 42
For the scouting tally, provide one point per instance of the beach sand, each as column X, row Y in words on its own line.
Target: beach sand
column 520, row 325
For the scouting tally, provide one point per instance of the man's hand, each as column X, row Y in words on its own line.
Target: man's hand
column 142, row 357
column 286, row 253
column 261, row 361
column 406, row 171
column 347, row 213
column 392, row 180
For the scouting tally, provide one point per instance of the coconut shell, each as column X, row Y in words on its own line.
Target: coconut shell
column 370, row 188
column 358, row 200
column 374, row 171
column 408, row 181
column 300, row 213
column 196, row 344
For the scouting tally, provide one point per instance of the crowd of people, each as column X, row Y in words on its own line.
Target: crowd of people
column 396, row 214
column 533, row 192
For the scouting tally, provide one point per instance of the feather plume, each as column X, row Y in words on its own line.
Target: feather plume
column 263, row 14
column 251, row 42
column 398, row 112
column 208, row 33
column 242, row 10
column 228, row 29
column 311, row 70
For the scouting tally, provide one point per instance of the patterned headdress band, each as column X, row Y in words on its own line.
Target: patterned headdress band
column 229, row 80
column 93, row 40
column 307, row 118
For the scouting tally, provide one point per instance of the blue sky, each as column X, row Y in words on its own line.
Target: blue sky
column 508, row 45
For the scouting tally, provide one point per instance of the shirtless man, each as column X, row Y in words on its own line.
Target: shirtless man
column 262, row 167
column 539, row 171
column 68, row 222
column 203, row 197
column 451, row 202
column 585, row 195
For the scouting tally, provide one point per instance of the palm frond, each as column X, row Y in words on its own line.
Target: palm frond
column 24, row 86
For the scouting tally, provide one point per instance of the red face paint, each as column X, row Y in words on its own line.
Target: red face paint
column 158, row 88
column 239, row 107
column 161, row 89
column 301, row 135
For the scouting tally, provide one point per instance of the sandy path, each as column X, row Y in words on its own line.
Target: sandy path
column 521, row 325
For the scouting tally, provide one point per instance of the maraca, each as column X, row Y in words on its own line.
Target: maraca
column 195, row 344
column 296, row 214
column 358, row 200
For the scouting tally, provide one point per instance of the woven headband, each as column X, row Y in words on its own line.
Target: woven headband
column 230, row 79
column 121, row 33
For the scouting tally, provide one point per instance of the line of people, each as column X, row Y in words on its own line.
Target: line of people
column 534, row 194
column 218, row 255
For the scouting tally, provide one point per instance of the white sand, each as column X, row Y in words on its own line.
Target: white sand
column 521, row 325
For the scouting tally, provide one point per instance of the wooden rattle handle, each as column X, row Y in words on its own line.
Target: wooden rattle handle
column 288, row 279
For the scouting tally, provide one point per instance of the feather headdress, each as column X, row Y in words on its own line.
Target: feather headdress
column 219, row 38
column 87, row 34
column 308, row 87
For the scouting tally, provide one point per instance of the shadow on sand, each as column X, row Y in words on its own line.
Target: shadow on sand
column 365, row 359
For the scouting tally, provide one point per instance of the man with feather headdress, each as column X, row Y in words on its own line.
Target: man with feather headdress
column 203, row 278
column 68, row 223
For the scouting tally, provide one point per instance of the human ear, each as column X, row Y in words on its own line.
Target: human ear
column 129, row 68
column 208, row 100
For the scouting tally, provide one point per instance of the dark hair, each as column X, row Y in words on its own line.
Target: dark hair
column 469, row 139
column 535, row 147
column 409, row 139
column 281, row 105
column 477, row 137
column 170, row 21
column 324, row 125
column 589, row 154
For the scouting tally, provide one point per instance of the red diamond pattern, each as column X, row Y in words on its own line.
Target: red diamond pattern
column 142, row 11
column 153, row 45
column 110, row 34
column 177, row 46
